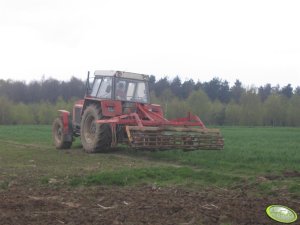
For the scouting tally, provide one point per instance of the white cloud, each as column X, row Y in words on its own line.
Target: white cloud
column 254, row 41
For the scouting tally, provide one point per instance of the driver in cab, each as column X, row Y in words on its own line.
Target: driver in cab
column 120, row 91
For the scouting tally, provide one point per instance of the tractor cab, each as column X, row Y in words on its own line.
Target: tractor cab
column 117, row 85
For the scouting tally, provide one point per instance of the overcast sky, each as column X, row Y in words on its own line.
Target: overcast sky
column 255, row 41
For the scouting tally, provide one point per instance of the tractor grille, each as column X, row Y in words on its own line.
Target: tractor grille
column 77, row 115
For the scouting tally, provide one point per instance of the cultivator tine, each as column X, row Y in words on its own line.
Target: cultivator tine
column 163, row 138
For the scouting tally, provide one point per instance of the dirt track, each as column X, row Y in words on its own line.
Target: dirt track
column 136, row 205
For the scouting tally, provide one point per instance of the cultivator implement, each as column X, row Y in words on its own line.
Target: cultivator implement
column 164, row 138
column 148, row 130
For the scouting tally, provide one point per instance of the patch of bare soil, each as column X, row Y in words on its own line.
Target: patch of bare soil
column 291, row 173
column 136, row 205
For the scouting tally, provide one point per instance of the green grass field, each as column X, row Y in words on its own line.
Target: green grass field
column 266, row 157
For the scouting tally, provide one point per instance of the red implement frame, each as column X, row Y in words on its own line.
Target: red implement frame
column 148, row 129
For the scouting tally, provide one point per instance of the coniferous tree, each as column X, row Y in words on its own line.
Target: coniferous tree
column 187, row 88
column 161, row 85
column 287, row 91
column 297, row 90
column 236, row 91
column 176, row 86
column 264, row 91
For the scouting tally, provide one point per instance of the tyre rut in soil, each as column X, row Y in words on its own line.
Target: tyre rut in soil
column 59, row 138
column 94, row 137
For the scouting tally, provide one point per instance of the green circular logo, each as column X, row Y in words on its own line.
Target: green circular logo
column 281, row 214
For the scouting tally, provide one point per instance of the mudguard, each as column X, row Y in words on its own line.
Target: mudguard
column 67, row 125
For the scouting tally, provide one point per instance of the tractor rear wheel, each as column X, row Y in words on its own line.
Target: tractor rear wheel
column 94, row 137
column 59, row 138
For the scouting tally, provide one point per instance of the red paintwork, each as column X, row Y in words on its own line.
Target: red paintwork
column 111, row 108
column 145, row 116
column 87, row 99
column 154, row 108
column 65, row 119
column 79, row 102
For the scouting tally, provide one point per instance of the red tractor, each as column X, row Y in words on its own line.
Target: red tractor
column 116, row 110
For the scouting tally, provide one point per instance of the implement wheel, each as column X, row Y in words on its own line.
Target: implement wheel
column 94, row 137
column 59, row 139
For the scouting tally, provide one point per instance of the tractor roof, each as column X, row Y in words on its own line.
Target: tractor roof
column 121, row 74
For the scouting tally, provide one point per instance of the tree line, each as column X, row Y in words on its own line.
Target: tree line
column 46, row 90
column 214, row 101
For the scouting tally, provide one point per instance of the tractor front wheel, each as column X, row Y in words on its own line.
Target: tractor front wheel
column 59, row 139
column 95, row 137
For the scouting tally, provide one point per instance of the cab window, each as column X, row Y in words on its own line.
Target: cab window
column 96, row 85
column 105, row 88
column 131, row 90
column 102, row 87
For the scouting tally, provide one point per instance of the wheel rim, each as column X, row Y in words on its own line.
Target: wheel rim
column 90, row 129
column 58, row 132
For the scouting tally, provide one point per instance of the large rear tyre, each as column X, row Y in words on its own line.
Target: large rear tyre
column 94, row 137
column 59, row 139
